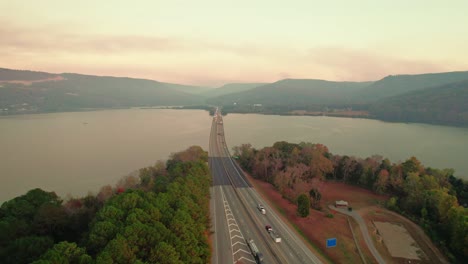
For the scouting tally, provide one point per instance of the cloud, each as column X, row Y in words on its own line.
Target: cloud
column 55, row 39
column 67, row 48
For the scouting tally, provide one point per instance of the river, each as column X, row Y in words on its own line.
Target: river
column 78, row 152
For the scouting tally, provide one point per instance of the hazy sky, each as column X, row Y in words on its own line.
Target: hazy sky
column 211, row 42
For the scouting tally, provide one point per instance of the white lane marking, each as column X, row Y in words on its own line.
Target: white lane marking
column 240, row 242
column 306, row 252
column 253, row 261
column 235, row 228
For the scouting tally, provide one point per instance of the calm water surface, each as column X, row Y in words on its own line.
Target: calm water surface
column 73, row 153
column 435, row 146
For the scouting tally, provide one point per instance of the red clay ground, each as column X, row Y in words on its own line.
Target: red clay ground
column 317, row 227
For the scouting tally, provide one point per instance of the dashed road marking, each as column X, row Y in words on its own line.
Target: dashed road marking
column 239, row 248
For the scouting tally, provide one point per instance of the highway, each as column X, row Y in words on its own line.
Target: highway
column 236, row 219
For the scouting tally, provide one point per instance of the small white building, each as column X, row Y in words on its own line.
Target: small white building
column 341, row 203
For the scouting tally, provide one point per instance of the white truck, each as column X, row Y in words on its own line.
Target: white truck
column 273, row 234
column 261, row 208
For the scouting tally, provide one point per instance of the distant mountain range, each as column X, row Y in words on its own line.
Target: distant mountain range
column 30, row 92
column 401, row 84
column 439, row 98
column 294, row 92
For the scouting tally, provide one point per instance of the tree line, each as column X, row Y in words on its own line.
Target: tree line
column 434, row 198
column 159, row 216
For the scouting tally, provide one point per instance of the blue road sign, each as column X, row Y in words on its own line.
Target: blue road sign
column 331, row 242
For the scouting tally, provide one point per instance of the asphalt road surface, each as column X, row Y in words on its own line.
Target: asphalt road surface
column 364, row 231
column 236, row 219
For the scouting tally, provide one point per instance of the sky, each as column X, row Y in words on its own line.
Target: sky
column 213, row 42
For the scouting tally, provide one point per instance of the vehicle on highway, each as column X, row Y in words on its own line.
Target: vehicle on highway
column 261, row 208
column 273, row 234
column 255, row 252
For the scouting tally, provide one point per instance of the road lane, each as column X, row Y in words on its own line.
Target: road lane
column 229, row 179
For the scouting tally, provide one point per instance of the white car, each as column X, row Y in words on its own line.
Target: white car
column 261, row 208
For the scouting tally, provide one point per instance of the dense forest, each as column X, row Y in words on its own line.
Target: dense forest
column 431, row 197
column 162, row 216
column 447, row 104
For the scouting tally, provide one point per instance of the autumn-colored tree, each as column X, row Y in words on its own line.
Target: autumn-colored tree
column 129, row 181
column 396, row 180
column 346, row 167
column 316, row 196
column 380, row 185
column 193, row 153
column 267, row 163
column 105, row 193
column 412, row 165
column 319, row 165
column 427, row 195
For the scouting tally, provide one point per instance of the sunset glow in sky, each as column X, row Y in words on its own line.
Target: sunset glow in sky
column 212, row 42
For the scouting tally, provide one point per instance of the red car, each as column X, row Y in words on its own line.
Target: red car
column 268, row 228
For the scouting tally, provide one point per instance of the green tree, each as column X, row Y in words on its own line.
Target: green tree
column 65, row 253
column 245, row 154
column 118, row 251
column 164, row 253
column 25, row 249
column 412, row 165
column 303, row 205
column 392, row 204
column 458, row 228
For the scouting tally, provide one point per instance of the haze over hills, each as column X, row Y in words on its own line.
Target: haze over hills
column 399, row 84
column 306, row 92
column 446, row 104
column 295, row 92
column 437, row 98
column 429, row 98
column 231, row 88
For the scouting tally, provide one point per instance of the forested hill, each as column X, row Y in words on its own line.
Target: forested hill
column 160, row 217
column 446, row 104
column 400, row 84
column 294, row 92
column 31, row 92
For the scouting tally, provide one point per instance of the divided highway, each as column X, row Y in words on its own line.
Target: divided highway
column 236, row 219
